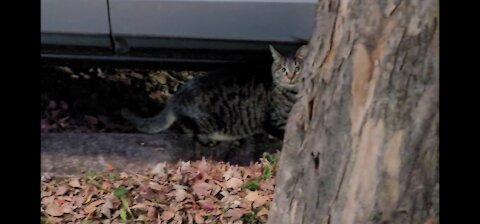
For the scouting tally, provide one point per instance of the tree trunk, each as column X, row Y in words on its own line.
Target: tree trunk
column 361, row 144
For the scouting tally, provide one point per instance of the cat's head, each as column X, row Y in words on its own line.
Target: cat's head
column 286, row 70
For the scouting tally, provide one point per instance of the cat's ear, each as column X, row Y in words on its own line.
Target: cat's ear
column 276, row 56
column 301, row 52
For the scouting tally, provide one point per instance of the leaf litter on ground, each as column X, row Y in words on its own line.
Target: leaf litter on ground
column 184, row 192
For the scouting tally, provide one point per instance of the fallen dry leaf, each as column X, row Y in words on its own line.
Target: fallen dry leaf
column 78, row 201
column 93, row 206
column 156, row 186
column 203, row 166
column 260, row 201
column 189, row 192
column 252, row 196
column 105, row 209
column 61, row 190
column 199, row 218
column 75, row 182
column 159, row 170
column 167, row 215
column 123, row 175
column 180, row 193
column 263, row 211
column 48, row 200
column 234, row 183
column 207, row 204
column 152, row 212
column 54, row 210
column 67, row 209
column 201, row 189
column 157, row 95
column 236, row 213
column 109, row 167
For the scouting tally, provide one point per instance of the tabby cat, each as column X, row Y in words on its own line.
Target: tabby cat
column 231, row 104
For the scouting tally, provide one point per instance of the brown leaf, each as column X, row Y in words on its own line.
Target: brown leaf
column 152, row 212
column 109, row 167
column 54, row 210
column 156, row 186
column 234, row 183
column 142, row 218
column 252, row 196
column 216, row 189
column 161, row 78
column 140, row 206
column 105, row 209
column 123, row 175
column 207, row 204
column 48, row 200
column 199, row 218
column 228, row 174
column 75, row 182
column 245, row 204
column 430, row 221
column 67, row 209
column 159, row 170
column 267, row 184
column 180, row 193
column 106, row 185
column 78, row 201
column 178, row 218
column 46, row 177
column 236, row 213
column 157, row 95
column 185, row 166
column 189, row 218
column 167, row 215
column 136, row 75
column 203, row 166
column 54, row 220
column 93, row 206
column 61, row 190
column 260, row 201
column 201, row 188
column 263, row 211
column 60, row 201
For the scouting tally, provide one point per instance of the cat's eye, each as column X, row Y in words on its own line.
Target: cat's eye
column 297, row 68
column 284, row 69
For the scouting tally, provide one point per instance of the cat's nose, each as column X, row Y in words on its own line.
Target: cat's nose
column 290, row 75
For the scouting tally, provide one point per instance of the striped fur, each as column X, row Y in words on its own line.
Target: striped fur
column 230, row 104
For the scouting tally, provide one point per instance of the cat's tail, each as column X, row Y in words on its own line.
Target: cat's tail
column 152, row 125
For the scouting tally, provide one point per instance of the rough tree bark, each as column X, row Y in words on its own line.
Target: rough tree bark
column 361, row 144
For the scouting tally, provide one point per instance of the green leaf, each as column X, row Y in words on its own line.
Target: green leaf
column 271, row 158
column 88, row 176
column 267, row 172
column 123, row 214
column 120, row 191
column 252, row 185
column 126, row 205
column 250, row 218
column 113, row 177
